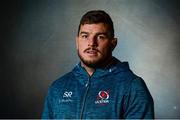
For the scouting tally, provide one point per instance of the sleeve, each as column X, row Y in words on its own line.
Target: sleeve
column 138, row 102
column 47, row 111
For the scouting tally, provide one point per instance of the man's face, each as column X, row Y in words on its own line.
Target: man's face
column 93, row 44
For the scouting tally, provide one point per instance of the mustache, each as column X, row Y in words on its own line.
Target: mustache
column 90, row 48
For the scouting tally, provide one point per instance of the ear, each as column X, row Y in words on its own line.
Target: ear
column 113, row 43
column 77, row 46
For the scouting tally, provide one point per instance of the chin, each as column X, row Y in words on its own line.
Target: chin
column 92, row 62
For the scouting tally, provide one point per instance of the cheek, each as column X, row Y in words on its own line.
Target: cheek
column 105, row 49
column 81, row 47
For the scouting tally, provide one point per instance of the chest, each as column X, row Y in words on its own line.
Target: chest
column 94, row 100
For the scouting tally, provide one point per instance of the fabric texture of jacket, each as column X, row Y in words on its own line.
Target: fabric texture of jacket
column 113, row 92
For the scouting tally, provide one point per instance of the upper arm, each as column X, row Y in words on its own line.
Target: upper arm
column 138, row 101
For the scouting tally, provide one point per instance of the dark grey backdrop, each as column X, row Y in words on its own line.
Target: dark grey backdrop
column 38, row 46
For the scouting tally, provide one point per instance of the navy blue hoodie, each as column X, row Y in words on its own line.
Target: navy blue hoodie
column 113, row 92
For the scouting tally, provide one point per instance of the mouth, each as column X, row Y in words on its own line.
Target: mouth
column 91, row 51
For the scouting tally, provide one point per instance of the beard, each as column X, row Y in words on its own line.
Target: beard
column 96, row 63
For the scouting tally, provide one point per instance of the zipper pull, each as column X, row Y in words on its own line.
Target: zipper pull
column 86, row 84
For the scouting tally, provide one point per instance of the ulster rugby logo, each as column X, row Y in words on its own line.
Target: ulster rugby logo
column 103, row 95
column 102, row 98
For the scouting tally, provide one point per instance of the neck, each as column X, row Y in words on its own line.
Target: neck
column 91, row 70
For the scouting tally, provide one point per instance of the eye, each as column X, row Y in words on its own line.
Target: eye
column 101, row 37
column 84, row 36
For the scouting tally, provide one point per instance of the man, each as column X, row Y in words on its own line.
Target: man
column 100, row 86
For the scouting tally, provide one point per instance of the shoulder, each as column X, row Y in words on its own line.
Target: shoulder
column 127, row 79
column 125, row 76
column 122, row 71
column 137, row 89
column 138, row 97
column 139, row 85
column 59, row 83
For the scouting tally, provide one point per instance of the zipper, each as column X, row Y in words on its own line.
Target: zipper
column 84, row 97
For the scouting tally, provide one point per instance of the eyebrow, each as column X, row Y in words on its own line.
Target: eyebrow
column 100, row 33
column 83, row 33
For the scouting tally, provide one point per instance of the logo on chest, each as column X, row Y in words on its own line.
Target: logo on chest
column 67, row 94
column 66, row 97
column 102, row 98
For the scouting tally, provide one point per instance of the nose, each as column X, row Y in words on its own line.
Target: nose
column 92, row 41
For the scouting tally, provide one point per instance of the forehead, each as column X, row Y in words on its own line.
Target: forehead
column 94, row 28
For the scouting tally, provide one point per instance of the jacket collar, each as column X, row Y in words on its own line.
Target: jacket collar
column 115, row 67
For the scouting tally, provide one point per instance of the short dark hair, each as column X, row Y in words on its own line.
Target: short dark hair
column 98, row 16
